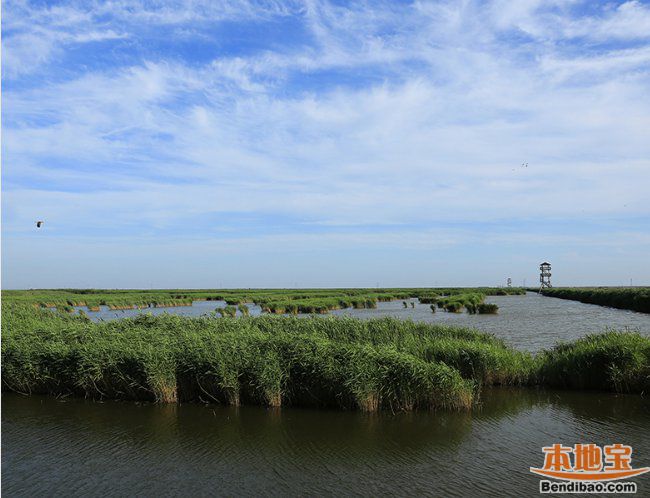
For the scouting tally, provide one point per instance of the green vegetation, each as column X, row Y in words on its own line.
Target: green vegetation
column 266, row 360
column 315, row 305
column 628, row 298
column 276, row 301
column 230, row 311
column 66, row 308
column 614, row 361
column 456, row 302
column 488, row 309
column 380, row 364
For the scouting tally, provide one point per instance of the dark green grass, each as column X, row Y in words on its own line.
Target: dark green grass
column 612, row 361
column 230, row 311
column 429, row 298
column 628, row 298
column 457, row 302
column 315, row 361
column 487, row 309
column 269, row 361
column 316, row 305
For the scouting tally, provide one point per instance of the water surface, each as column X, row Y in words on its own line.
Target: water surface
column 531, row 322
column 80, row 448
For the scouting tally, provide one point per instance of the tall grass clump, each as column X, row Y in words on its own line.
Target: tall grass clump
column 61, row 355
column 478, row 356
column 360, row 376
column 229, row 310
column 487, row 309
column 428, row 298
column 456, row 302
column 232, row 361
column 613, row 361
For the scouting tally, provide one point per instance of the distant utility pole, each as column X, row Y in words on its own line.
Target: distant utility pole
column 545, row 276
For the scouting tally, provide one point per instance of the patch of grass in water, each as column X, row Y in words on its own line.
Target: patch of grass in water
column 230, row 311
column 487, row 309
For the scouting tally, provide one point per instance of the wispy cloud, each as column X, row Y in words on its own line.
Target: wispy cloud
column 164, row 119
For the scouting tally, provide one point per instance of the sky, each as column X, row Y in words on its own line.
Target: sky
column 211, row 144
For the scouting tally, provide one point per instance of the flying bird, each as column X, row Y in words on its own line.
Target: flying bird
column 39, row 224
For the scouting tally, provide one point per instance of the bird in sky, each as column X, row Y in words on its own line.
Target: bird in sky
column 39, row 224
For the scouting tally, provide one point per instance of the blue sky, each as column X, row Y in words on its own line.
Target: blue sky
column 313, row 143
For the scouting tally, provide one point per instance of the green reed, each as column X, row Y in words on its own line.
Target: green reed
column 629, row 298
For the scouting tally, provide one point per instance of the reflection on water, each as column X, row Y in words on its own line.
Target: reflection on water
column 529, row 322
column 77, row 447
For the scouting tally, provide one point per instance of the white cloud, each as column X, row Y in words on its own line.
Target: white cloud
column 36, row 34
column 630, row 20
column 555, row 20
column 437, row 134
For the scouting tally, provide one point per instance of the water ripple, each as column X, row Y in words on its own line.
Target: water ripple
column 82, row 448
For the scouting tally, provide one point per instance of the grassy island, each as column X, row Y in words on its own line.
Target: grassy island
column 346, row 363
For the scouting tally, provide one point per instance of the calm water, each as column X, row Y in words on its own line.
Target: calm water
column 529, row 322
column 80, row 448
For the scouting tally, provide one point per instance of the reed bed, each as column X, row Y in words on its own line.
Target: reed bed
column 487, row 309
column 289, row 300
column 612, row 361
column 628, row 298
column 231, row 360
column 457, row 302
column 479, row 357
column 339, row 362
column 316, row 305
column 229, row 311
